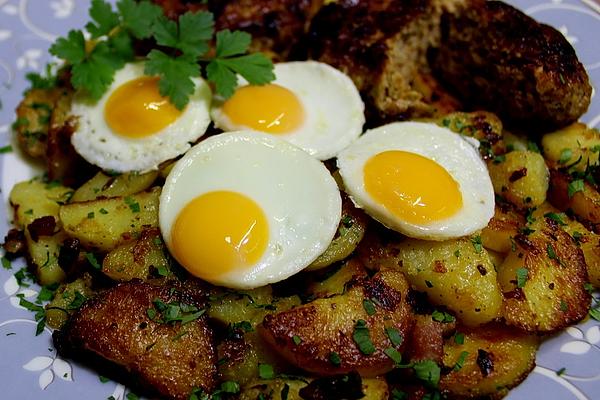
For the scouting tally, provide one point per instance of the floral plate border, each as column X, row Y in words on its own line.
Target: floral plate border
column 29, row 365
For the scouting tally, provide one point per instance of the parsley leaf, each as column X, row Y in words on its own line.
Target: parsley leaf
column 394, row 355
column 477, row 244
column 103, row 17
column 175, row 76
column 139, row 17
column 461, row 361
column 71, row 48
column 362, row 338
column 394, row 335
column 335, row 359
column 442, row 316
column 565, row 156
column 369, row 307
column 522, row 276
column 232, row 43
column 265, row 371
column 574, row 187
column 427, row 371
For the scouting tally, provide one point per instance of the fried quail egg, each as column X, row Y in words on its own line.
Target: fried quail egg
column 245, row 209
column 133, row 128
column 419, row 179
column 310, row 104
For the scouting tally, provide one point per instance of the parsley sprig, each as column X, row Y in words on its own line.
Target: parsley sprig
column 183, row 50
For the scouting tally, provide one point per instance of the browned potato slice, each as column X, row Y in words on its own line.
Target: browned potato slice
column 36, row 205
column 585, row 204
column 482, row 125
column 282, row 389
column 588, row 242
column 350, row 233
column 102, row 185
column 543, row 280
column 492, row 359
column 139, row 259
column 521, row 178
column 105, row 223
column 336, row 283
column 570, row 144
column 171, row 358
column 68, row 298
column 455, row 273
column 503, row 227
column 342, row 322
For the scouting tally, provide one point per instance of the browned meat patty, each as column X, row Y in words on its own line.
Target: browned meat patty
column 119, row 326
column 495, row 57
column 382, row 45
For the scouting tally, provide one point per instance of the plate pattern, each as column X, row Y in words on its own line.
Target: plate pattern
column 568, row 364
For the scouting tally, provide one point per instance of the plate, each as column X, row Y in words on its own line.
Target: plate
column 29, row 365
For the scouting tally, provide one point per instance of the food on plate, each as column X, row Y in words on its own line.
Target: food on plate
column 133, row 127
column 419, row 179
column 495, row 57
column 309, row 104
column 173, row 354
column 423, row 259
column 245, row 209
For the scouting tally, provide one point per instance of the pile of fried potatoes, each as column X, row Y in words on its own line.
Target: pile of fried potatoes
column 377, row 312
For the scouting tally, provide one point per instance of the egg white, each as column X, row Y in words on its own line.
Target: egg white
column 95, row 141
column 334, row 111
column 297, row 194
column 450, row 150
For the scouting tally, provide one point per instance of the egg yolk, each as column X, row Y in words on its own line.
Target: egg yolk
column 219, row 232
column 412, row 187
column 269, row 108
column 136, row 109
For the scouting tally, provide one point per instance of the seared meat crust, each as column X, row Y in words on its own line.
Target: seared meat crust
column 382, row 45
column 172, row 359
column 495, row 57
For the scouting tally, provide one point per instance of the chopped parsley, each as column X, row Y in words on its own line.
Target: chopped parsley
column 335, row 359
column 6, row 149
column 565, row 156
column 6, row 264
column 394, row 355
column 459, row 338
column 442, row 316
column 476, row 242
column 362, row 338
column 369, row 307
column 265, row 371
column 428, row 372
column 134, row 206
column 296, row 339
column 394, row 335
column 558, row 218
column 461, row 361
column 91, row 258
column 173, row 312
column 575, row 186
column 522, row 276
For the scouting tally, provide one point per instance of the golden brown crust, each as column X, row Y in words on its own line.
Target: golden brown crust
column 498, row 58
column 172, row 359
column 327, row 325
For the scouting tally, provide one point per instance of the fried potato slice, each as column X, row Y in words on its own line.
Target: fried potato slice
column 36, row 206
column 103, row 185
column 503, row 227
column 343, row 321
column 521, row 177
column 575, row 145
column 324, row 388
column 492, row 359
column 588, row 242
column 330, row 285
column 543, row 280
column 171, row 358
column 68, row 298
column 143, row 258
column 585, row 203
column 103, row 224
column 456, row 273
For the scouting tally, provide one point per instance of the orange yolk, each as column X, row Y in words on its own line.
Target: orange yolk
column 412, row 187
column 269, row 108
column 219, row 232
column 136, row 109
